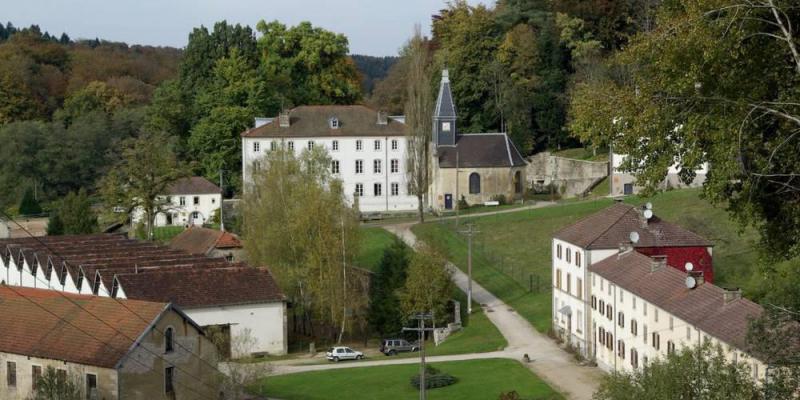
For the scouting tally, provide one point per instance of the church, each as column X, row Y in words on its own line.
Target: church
column 368, row 153
column 475, row 167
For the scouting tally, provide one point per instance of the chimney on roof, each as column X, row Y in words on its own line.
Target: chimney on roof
column 283, row 119
column 731, row 294
column 658, row 263
column 624, row 248
column 383, row 118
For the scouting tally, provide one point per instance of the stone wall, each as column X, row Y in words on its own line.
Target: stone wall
column 572, row 177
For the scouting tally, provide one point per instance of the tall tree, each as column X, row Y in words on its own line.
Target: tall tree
column 701, row 373
column 419, row 117
column 385, row 317
column 73, row 216
column 139, row 180
column 297, row 221
column 428, row 287
column 714, row 82
column 308, row 64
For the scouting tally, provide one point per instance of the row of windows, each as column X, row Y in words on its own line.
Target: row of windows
column 273, row 145
column 377, row 166
column 578, row 284
column 36, row 375
column 568, row 255
column 195, row 200
column 377, row 189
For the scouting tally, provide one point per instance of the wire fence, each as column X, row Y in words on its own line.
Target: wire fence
column 521, row 271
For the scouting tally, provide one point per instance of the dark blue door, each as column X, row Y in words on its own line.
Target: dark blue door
column 448, row 201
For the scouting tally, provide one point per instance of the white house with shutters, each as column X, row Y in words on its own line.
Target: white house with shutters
column 191, row 201
column 367, row 149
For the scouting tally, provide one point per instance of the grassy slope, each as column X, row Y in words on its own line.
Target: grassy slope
column 514, row 247
column 478, row 379
column 582, row 153
column 373, row 241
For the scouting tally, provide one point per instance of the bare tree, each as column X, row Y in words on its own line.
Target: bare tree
column 419, row 116
column 242, row 375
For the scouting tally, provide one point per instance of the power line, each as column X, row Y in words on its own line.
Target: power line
column 119, row 302
column 90, row 335
column 109, row 294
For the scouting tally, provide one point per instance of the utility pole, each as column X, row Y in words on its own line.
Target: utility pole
column 470, row 232
column 221, row 201
column 421, row 317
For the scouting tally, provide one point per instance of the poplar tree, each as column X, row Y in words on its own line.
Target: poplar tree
column 419, row 116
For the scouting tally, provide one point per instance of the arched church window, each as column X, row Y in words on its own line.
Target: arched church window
column 474, row 183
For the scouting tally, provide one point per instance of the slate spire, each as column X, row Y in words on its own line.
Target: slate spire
column 444, row 115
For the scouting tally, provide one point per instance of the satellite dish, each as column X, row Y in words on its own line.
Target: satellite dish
column 689, row 266
column 690, row 282
column 634, row 236
column 648, row 214
column 649, row 205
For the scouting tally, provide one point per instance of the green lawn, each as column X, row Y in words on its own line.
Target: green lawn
column 373, row 241
column 477, row 379
column 511, row 257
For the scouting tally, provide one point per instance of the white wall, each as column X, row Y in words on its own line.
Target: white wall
column 266, row 321
column 182, row 214
column 347, row 156
column 649, row 319
column 572, row 292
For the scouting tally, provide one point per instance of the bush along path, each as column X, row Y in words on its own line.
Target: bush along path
column 547, row 360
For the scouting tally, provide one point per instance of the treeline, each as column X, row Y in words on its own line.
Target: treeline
column 372, row 70
column 512, row 65
column 65, row 108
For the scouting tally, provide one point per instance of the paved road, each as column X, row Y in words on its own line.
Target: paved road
column 551, row 363
column 557, row 367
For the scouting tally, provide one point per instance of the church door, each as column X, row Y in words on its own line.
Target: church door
column 448, row 201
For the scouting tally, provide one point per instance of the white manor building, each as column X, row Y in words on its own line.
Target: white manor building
column 367, row 147
column 624, row 183
column 191, row 201
column 231, row 298
column 623, row 303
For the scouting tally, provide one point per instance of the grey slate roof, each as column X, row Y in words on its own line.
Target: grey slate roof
column 609, row 227
column 704, row 306
column 313, row 121
column 445, row 107
column 481, row 150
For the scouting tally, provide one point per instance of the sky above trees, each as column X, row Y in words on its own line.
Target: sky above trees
column 374, row 27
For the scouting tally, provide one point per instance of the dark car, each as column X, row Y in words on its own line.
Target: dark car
column 391, row 347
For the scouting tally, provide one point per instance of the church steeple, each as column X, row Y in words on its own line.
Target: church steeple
column 444, row 115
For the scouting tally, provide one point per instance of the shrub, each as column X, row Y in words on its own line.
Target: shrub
column 462, row 203
column 434, row 379
column 28, row 205
column 500, row 198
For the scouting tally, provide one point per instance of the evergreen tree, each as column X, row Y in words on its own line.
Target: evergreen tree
column 74, row 216
column 385, row 315
column 29, row 205
column 64, row 39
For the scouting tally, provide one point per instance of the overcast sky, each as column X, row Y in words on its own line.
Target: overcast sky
column 374, row 27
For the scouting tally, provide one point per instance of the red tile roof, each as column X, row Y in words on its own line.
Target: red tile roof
column 610, row 227
column 193, row 185
column 29, row 330
column 197, row 240
column 704, row 306
column 109, row 255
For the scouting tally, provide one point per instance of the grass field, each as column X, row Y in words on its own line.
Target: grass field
column 477, row 380
column 373, row 241
column 511, row 256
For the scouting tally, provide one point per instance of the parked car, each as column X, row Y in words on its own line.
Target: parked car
column 336, row 354
column 391, row 347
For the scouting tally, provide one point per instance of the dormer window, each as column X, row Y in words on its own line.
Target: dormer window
column 334, row 123
column 114, row 288
column 96, row 286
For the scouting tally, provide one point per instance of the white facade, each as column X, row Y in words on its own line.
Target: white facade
column 265, row 322
column 611, row 325
column 185, row 209
column 374, row 167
